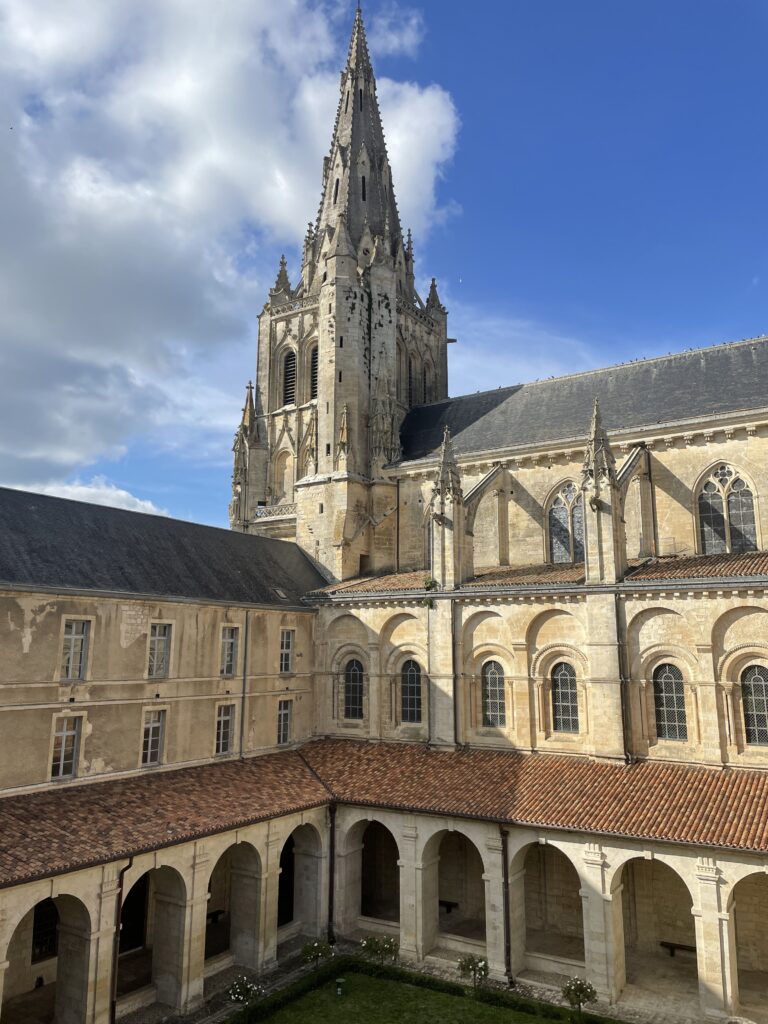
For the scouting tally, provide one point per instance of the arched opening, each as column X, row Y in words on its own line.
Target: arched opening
column 379, row 874
column 289, row 378
column 554, row 918
column 454, row 894
column 659, row 933
column 313, row 373
column 47, row 975
column 282, row 478
column 232, row 920
column 298, row 900
column 749, row 907
column 726, row 510
column 566, row 525
column 152, row 937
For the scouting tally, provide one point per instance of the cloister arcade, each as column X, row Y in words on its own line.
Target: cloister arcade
column 609, row 911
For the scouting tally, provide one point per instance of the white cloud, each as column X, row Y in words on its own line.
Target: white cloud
column 396, row 30
column 156, row 151
column 100, row 491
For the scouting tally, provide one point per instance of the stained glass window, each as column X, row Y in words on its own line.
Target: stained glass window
column 410, row 692
column 669, row 703
column 494, row 708
column 565, row 699
column 726, row 513
column 566, row 525
column 353, row 690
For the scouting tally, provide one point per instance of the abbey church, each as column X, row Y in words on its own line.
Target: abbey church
column 487, row 674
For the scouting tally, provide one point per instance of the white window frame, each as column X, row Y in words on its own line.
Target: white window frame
column 287, row 651
column 62, row 730
column 169, row 659
column 146, row 712
column 85, row 658
column 234, row 643
column 231, row 707
column 284, row 722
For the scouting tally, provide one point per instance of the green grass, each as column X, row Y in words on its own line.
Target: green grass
column 374, row 1001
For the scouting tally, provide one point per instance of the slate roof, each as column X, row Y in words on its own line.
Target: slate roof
column 61, row 830
column 640, row 395
column 56, row 543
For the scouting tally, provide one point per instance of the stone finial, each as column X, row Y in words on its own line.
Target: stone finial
column 599, row 462
column 448, row 480
column 433, row 299
column 282, row 283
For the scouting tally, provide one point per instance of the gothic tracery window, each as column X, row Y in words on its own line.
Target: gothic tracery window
column 565, row 699
column 566, row 525
column 353, row 690
column 726, row 513
column 669, row 703
column 289, row 378
column 410, row 692
column 494, row 708
column 754, row 694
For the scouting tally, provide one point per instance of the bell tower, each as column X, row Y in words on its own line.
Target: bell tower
column 342, row 356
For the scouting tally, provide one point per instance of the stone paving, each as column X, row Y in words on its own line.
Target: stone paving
column 658, row 1003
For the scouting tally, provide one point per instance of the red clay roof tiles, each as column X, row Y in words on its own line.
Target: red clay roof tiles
column 60, row 830
column 699, row 567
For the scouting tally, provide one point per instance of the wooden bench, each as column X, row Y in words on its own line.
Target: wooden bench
column 448, row 905
column 673, row 946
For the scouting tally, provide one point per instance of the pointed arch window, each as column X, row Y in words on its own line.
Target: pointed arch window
column 566, row 525
column 410, row 692
column 669, row 703
column 754, row 695
column 361, row 99
column 410, row 382
column 726, row 513
column 363, row 186
column 494, row 706
column 335, row 191
column 354, row 679
column 289, row 378
column 565, row 699
column 313, row 373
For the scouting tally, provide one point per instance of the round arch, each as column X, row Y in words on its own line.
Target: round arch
column 300, row 884
column 371, row 882
column 748, row 907
column 234, row 900
column 453, row 892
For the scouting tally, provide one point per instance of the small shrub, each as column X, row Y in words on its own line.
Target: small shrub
column 244, row 991
column 380, row 948
column 316, row 951
column 577, row 993
column 475, row 968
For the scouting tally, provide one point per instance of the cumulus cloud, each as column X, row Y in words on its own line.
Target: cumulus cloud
column 99, row 491
column 150, row 155
column 396, row 30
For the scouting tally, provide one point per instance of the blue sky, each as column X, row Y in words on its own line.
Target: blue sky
column 586, row 181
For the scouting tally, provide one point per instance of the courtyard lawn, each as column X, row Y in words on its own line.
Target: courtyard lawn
column 390, row 1002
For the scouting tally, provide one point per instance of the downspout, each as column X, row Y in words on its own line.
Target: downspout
column 245, row 682
column 331, row 871
column 504, row 834
column 623, row 682
column 397, row 526
column 116, row 938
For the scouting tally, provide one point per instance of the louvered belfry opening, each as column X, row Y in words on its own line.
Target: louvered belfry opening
column 313, row 373
column 289, row 378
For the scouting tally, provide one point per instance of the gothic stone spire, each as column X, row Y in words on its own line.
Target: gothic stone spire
column 448, row 481
column 599, row 462
column 357, row 181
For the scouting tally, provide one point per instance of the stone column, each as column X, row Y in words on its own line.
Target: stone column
column 348, row 885
column 604, row 691
column 375, row 697
column 101, row 960
column 4, row 965
column 410, row 895
column 245, row 916
column 603, row 926
column 493, row 877
column 708, row 718
column 270, row 881
column 195, row 918
column 76, row 955
column 715, row 952
column 517, row 921
column 440, row 670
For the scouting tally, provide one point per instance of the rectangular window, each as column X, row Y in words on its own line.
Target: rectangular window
column 225, row 728
column 66, row 746
column 229, row 650
column 284, row 710
column 286, row 650
column 152, row 743
column 74, row 657
column 159, row 650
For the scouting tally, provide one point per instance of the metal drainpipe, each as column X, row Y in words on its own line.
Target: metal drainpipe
column 245, row 682
column 456, row 696
column 116, row 939
column 504, row 834
column 331, row 871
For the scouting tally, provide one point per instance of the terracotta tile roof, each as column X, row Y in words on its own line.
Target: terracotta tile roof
column 59, row 830
column 646, row 800
column 405, row 581
column 527, row 575
column 700, row 567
